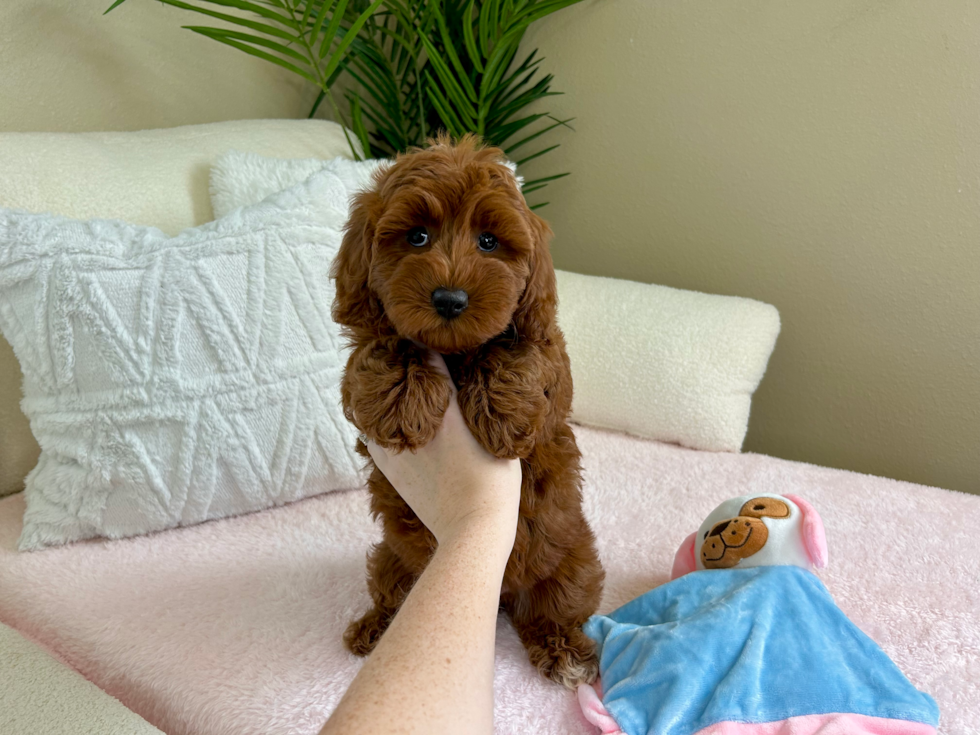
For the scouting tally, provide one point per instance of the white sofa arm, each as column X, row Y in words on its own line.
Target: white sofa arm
column 663, row 363
column 40, row 696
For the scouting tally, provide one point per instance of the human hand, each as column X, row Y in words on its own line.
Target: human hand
column 452, row 484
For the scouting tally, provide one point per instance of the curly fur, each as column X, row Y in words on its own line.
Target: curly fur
column 507, row 356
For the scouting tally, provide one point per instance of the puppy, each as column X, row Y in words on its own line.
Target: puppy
column 444, row 252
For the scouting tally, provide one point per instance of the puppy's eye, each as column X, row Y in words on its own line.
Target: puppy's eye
column 487, row 242
column 417, row 237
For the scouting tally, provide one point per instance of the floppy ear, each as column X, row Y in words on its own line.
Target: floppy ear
column 355, row 305
column 814, row 535
column 535, row 313
column 684, row 561
column 595, row 711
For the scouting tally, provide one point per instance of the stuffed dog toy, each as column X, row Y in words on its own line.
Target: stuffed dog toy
column 745, row 640
column 443, row 253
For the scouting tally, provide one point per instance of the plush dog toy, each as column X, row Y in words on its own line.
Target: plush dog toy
column 746, row 640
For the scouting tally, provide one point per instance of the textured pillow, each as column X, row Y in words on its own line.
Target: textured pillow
column 173, row 380
column 148, row 177
column 240, row 178
column 658, row 362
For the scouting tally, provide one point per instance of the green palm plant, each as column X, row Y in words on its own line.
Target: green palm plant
column 409, row 68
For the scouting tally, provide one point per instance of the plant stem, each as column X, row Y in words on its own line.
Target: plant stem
column 315, row 65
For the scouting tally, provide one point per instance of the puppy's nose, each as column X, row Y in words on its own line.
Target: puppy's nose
column 450, row 304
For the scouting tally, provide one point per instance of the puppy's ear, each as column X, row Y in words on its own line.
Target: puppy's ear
column 355, row 305
column 535, row 313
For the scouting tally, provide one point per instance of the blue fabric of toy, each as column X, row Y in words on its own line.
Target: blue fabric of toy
column 744, row 645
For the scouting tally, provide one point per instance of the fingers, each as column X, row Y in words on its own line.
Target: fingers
column 439, row 363
column 379, row 455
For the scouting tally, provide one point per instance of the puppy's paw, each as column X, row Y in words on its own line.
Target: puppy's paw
column 363, row 635
column 396, row 397
column 505, row 402
column 567, row 658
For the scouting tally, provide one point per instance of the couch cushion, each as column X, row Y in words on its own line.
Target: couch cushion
column 235, row 626
column 152, row 177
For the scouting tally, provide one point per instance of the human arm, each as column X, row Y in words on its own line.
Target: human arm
column 432, row 671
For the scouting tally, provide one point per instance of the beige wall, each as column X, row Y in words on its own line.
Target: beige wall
column 64, row 67
column 821, row 156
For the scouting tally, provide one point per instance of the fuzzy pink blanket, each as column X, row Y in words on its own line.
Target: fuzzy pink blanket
column 234, row 626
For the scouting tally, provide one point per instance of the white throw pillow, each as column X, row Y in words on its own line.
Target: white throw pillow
column 157, row 178
column 662, row 363
column 240, row 178
column 170, row 380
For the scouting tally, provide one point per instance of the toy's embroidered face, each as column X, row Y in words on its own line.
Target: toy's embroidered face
column 733, row 539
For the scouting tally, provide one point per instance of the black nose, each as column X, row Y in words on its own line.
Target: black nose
column 719, row 528
column 450, row 304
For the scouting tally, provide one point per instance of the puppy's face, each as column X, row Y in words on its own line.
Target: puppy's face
column 449, row 245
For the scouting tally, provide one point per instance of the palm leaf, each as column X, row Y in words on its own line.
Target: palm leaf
column 338, row 15
column 318, row 22
column 358, row 122
column 223, row 37
column 218, row 34
column 258, row 9
column 514, row 146
column 348, row 39
column 447, row 113
column 451, row 54
column 419, row 65
column 264, row 28
column 534, row 184
column 450, row 83
column 524, row 160
column 504, row 132
column 469, row 37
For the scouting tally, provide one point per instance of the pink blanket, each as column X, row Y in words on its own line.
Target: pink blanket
column 234, row 626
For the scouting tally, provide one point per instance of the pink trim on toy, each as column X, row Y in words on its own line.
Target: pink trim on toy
column 595, row 711
column 684, row 561
column 829, row 724
column 814, row 536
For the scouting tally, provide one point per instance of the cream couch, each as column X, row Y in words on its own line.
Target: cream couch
column 41, row 695
column 234, row 625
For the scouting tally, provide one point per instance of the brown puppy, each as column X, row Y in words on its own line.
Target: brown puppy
column 444, row 252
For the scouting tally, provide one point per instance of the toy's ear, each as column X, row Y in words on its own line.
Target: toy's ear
column 814, row 536
column 684, row 560
column 595, row 711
